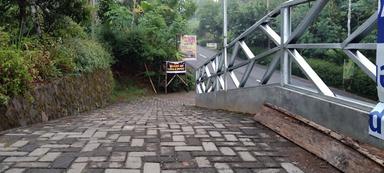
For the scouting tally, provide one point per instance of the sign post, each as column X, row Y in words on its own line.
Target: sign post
column 376, row 119
column 174, row 69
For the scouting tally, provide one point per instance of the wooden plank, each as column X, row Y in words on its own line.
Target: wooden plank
column 339, row 155
column 367, row 150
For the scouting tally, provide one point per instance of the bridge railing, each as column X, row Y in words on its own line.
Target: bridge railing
column 211, row 76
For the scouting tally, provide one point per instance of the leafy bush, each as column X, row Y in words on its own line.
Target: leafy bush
column 14, row 75
column 331, row 73
column 363, row 85
column 67, row 28
column 41, row 65
column 63, row 57
column 50, row 42
column 5, row 38
column 129, row 49
column 126, row 90
column 90, row 55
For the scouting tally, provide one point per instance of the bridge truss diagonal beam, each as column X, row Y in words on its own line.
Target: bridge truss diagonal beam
column 285, row 52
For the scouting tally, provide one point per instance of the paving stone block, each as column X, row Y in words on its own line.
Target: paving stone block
column 122, row 171
column 88, row 133
column 55, row 146
column 180, row 165
column 13, row 153
column 230, row 137
column 206, row 153
column 15, row 170
column 225, row 159
column 271, row 170
column 137, row 142
column 39, row 152
column 219, row 126
column 202, row 170
column 202, row 162
column 223, row 168
column 166, row 150
column 46, row 170
column 64, row 161
column 246, row 156
column 141, row 154
column 290, row 168
column 31, row 165
column 106, row 165
column 168, row 171
column 152, row 132
column 100, row 135
column 227, row 151
column 19, row 144
column 129, row 127
column 193, row 141
column 91, row 159
column 118, row 157
column 249, row 165
column 209, row 146
column 188, row 148
column 125, row 139
column 133, row 162
column 178, row 138
column 183, row 156
column 172, row 143
column 93, row 170
column 159, row 159
column 77, row 168
column 20, row 159
column 187, row 129
column 152, row 168
column 215, row 134
column 50, row 157
column 29, row 147
column 90, row 147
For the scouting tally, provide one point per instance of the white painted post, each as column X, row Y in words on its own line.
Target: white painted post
column 376, row 119
column 225, row 53
column 285, row 60
column 380, row 52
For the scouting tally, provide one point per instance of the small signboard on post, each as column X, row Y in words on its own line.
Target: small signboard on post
column 188, row 47
column 174, row 69
column 212, row 45
column 376, row 118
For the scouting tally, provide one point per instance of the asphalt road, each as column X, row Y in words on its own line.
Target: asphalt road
column 258, row 71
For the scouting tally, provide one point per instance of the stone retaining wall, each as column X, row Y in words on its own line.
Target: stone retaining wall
column 63, row 97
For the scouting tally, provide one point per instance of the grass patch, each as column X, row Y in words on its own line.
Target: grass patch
column 126, row 90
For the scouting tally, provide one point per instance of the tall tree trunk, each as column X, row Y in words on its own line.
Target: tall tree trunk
column 36, row 19
column 22, row 15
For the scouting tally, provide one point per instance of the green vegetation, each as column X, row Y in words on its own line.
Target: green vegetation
column 126, row 90
column 44, row 40
column 330, row 27
column 144, row 33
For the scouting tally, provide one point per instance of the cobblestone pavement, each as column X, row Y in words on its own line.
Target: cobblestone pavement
column 152, row 135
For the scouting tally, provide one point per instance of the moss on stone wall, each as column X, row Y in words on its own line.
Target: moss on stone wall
column 64, row 97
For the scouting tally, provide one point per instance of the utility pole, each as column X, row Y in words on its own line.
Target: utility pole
column 269, row 40
column 349, row 16
column 225, row 53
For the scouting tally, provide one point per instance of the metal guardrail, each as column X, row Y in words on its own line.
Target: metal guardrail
column 210, row 79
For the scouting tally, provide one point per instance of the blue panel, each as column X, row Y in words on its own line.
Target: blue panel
column 381, row 24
